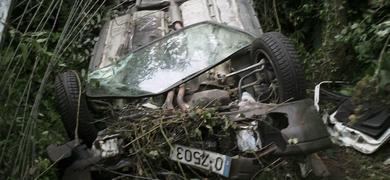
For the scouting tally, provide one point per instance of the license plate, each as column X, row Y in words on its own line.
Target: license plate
column 217, row 163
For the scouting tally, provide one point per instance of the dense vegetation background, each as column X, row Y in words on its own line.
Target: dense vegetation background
column 337, row 39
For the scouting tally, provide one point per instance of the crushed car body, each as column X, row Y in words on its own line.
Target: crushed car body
column 190, row 88
column 256, row 128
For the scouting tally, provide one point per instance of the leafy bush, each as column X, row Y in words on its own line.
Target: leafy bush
column 338, row 40
column 43, row 38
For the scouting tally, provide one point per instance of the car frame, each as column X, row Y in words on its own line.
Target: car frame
column 269, row 55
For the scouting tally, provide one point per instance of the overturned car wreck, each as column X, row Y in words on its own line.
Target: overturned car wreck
column 181, row 89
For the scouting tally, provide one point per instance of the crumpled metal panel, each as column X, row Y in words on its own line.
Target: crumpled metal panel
column 346, row 136
column 305, row 132
column 235, row 13
column 113, row 41
column 343, row 135
column 126, row 33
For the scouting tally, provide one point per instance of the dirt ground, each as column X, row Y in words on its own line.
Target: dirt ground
column 347, row 163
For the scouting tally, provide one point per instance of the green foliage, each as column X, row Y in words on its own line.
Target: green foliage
column 30, row 46
column 338, row 40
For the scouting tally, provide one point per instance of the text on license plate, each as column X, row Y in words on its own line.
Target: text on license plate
column 214, row 162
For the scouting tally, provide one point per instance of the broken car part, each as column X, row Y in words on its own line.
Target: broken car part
column 246, row 76
column 295, row 126
column 248, row 138
column 107, row 146
column 346, row 136
column 366, row 135
column 303, row 124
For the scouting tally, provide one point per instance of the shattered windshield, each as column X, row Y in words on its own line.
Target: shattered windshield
column 158, row 66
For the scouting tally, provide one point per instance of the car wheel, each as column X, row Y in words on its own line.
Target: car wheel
column 282, row 78
column 67, row 92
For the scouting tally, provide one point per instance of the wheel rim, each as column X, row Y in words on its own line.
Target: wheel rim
column 267, row 88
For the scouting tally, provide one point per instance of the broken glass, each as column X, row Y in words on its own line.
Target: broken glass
column 155, row 68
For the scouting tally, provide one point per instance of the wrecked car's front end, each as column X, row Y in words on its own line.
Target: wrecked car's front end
column 238, row 142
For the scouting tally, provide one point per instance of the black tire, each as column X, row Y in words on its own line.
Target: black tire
column 288, row 70
column 67, row 97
